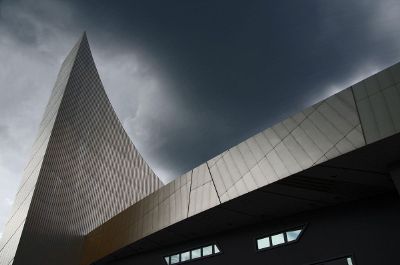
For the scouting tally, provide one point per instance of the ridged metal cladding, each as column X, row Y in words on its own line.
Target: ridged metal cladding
column 83, row 170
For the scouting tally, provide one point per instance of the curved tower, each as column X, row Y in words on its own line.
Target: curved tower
column 83, row 170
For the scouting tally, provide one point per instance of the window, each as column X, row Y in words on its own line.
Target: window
column 216, row 249
column 185, row 256
column 279, row 239
column 292, row 235
column 337, row 261
column 207, row 251
column 175, row 259
column 263, row 243
column 349, row 261
column 196, row 253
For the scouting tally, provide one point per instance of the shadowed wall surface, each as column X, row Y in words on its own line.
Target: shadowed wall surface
column 365, row 230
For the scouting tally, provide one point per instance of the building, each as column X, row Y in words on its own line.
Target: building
column 320, row 187
column 83, row 170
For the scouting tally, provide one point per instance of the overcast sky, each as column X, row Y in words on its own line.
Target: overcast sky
column 187, row 79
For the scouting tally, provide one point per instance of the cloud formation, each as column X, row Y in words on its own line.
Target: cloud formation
column 27, row 73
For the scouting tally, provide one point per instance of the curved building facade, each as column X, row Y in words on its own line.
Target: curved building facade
column 83, row 170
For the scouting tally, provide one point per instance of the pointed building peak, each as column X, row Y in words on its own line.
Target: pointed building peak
column 83, row 39
column 81, row 46
column 84, row 36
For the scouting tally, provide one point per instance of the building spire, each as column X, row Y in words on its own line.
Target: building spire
column 84, row 170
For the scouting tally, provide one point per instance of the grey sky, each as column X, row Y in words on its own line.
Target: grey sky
column 187, row 79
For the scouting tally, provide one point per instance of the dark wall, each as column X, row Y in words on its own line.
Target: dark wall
column 368, row 230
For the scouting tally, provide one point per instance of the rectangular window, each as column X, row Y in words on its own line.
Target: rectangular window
column 175, row 259
column 196, row 253
column 263, row 243
column 207, row 251
column 277, row 239
column 185, row 256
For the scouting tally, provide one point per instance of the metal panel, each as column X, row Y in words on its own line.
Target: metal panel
column 203, row 194
column 378, row 99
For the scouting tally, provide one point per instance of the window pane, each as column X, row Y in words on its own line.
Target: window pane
column 174, row 259
column 349, row 261
column 185, row 256
column 277, row 239
column 207, row 251
column 216, row 249
column 196, row 253
column 166, row 260
column 263, row 243
column 292, row 235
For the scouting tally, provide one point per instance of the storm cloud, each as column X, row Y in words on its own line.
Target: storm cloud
column 187, row 79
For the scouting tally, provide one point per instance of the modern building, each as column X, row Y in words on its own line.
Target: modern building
column 320, row 187
column 83, row 170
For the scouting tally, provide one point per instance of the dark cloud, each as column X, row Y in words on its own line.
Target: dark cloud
column 237, row 67
column 188, row 79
